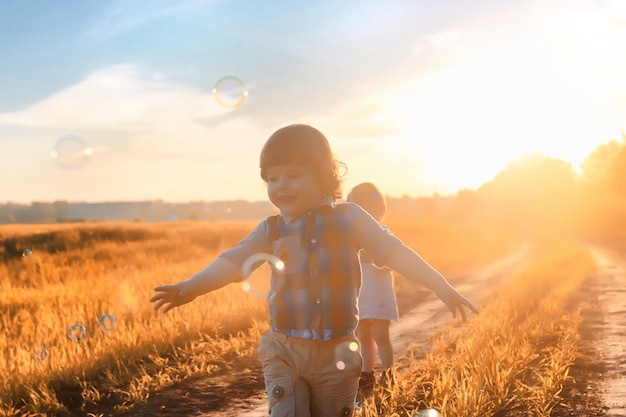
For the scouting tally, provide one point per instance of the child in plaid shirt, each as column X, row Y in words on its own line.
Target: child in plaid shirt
column 310, row 357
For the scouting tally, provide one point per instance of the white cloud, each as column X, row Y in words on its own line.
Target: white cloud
column 147, row 136
column 114, row 96
column 125, row 115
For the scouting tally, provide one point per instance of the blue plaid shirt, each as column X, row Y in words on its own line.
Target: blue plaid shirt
column 315, row 297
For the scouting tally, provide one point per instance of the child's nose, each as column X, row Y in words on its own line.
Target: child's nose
column 281, row 181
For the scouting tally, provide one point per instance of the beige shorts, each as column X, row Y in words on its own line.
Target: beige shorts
column 310, row 378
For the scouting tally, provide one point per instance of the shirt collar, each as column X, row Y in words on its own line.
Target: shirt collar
column 324, row 202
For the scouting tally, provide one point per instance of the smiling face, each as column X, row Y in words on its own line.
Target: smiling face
column 302, row 147
column 293, row 188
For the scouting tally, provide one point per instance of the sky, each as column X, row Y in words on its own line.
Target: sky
column 173, row 100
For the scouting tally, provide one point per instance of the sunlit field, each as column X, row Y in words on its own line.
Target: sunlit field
column 139, row 140
column 99, row 277
column 515, row 355
column 75, row 275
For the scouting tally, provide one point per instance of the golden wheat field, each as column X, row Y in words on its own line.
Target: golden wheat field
column 78, row 330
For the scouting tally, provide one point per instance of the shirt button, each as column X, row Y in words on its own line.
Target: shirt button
column 313, row 241
column 317, row 301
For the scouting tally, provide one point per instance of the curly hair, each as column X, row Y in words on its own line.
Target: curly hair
column 305, row 145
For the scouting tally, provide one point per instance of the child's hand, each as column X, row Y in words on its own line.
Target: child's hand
column 456, row 301
column 171, row 296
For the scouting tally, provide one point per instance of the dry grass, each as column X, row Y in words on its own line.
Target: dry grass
column 79, row 272
column 515, row 355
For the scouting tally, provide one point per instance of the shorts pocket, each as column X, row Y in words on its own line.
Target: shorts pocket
column 266, row 345
column 280, row 396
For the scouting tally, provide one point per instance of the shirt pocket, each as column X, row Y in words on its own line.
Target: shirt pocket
column 289, row 250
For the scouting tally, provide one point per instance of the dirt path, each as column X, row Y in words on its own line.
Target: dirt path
column 419, row 322
column 429, row 314
column 600, row 377
column 608, row 328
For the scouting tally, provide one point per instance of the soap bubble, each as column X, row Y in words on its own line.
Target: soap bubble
column 27, row 253
column 230, row 92
column 77, row 332
column 41, row 354
column 107, row 322
column 428, row 413
column 347, row 355
column 255, row 260
column 71, row 151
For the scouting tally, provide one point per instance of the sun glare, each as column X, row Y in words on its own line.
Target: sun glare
column 544, row 93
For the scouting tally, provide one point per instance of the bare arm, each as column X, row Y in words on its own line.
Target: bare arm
column 225, row 269
column 407, row 262
column 388, row 250
column 220, row 272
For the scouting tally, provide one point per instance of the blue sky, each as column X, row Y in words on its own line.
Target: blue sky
column 416, row 96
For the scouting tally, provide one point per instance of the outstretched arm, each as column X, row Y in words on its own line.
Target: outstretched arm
column 388, row 250
column 220, row 272
column 407, row 262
